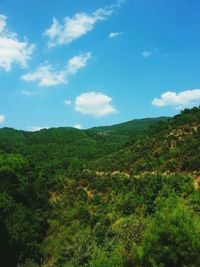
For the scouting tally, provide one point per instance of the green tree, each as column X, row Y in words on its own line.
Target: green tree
column 172, row 238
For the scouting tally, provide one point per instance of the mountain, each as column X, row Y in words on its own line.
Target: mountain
column 173, row 145
column 123, row 195
column 60, row 145
column 128, row 129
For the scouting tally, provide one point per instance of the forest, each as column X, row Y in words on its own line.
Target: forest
column 116, row 196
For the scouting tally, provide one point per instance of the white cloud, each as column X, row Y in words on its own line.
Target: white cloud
column 12, row 50
column 46, row 75
column 78, row 62
column 78, row 126
column 147, row 54
column 27, row 92
column 114, row 34
column 179, row 100
column 77, row 26
column 36, row 128
column 2, row 23
column 67, row 102
column 119, row 3
column 95, row 104
column 2, row 118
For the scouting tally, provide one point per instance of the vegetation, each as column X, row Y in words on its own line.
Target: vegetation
column 125, row 195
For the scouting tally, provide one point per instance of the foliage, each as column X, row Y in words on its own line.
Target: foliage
column 172, row 237
column 123, row 195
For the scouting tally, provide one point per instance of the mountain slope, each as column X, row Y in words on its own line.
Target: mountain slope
column 173, row 145
column 59, row 145
column 114, row 218
column 129, row 128
column 113, row 196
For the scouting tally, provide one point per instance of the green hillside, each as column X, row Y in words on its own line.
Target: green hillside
column 58, row 146
column 128, row 129
column 115, row 196
column 168, row 146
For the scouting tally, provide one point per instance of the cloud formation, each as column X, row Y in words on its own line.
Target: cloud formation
column 2, row 117
column 78, row 62
column 46, row 75
column 147, row 54
column 27, row 93
column 95, row 104
column 183, row 99
column 67, row 102
column 12, row 50
column 114, row 34
column 77, row 26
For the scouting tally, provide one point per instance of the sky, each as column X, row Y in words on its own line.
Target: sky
column 84, row 63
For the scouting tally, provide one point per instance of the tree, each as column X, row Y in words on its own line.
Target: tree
column 172, row 237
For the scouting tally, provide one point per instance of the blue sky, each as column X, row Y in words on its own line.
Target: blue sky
column 84, row 63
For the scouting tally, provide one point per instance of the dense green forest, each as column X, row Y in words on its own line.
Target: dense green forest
column 115, row 196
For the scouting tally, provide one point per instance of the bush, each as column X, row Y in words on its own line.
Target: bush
column 172, row 237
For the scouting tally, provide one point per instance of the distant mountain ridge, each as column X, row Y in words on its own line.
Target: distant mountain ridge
column 66, row 142
column 135, row 124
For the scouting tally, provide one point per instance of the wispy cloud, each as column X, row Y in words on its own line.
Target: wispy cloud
column 67, row 102
column 147, row 54
column 150, row 53
column 78, row 62
column 2, row 117
column 77, row 26
column 12, row 50
column 95, row 104
column 27, row 93
column 187, row 98
column 47, row 75
column 114, row 34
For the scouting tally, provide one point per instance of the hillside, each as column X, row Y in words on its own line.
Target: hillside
column 58, row 146
column 124, row 195
column 127, row 129
column 169, row 146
